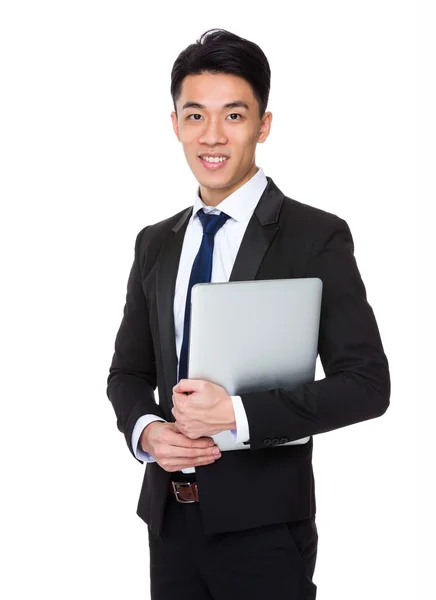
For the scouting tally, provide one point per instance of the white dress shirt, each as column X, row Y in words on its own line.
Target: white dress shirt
column 239, row 206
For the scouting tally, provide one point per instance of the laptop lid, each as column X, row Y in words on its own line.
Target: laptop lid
column 256, row 335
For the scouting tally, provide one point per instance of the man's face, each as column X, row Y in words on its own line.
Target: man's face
column 207, row 127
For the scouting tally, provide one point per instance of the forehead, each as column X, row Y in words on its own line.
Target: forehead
column 215, row 89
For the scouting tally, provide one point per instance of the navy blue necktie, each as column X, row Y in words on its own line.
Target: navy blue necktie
column 201, row 273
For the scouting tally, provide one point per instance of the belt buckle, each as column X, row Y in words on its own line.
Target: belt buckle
column 176, row 492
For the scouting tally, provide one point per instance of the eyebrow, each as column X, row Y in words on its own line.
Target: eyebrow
column 234, row 104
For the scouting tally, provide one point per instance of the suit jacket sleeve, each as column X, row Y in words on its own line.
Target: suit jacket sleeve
column 357, row 382
column 132, row 374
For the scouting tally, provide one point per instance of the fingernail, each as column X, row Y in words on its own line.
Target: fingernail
column 216, row 451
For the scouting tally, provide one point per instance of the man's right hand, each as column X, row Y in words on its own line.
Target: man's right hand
column 173, row 450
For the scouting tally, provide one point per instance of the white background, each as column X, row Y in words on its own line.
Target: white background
column 88, row 158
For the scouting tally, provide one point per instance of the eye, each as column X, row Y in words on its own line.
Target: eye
column 198, row 115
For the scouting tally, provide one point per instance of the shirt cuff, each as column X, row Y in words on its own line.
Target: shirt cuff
column 242, row 431
column 140, row 425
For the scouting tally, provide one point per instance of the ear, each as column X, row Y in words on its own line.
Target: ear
column 265, row 127
column 175, row 124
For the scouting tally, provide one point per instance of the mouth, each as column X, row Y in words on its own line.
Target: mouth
column 214, row 166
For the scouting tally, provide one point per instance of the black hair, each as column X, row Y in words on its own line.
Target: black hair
column 219, row 51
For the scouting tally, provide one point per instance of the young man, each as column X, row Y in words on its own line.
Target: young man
column 237, row 524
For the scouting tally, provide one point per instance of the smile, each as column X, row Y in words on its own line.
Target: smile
column 212, row 164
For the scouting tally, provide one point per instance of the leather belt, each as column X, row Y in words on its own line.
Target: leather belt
column 185, row 491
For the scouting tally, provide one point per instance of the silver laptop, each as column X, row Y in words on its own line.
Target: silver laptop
column 250, row 336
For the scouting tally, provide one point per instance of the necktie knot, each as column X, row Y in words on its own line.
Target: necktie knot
column 212, row 223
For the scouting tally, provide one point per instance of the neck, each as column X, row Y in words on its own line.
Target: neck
column 212, row 197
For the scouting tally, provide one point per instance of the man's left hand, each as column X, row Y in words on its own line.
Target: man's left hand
column 207, row 410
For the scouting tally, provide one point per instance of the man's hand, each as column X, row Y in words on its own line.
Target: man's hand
column 208, row 409
column 173, row 450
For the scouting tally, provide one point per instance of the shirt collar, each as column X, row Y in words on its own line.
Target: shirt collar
column 239, row 204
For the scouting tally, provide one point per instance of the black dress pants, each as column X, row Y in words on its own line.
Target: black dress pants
column 275, row 560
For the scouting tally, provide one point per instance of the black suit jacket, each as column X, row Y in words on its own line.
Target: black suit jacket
column 266, row 484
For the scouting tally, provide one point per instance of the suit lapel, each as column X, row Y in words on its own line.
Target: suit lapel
column 165, row 286
column 261, row 230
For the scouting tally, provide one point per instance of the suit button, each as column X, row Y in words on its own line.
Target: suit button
column 284, row 440
column 275, row 441
column 267, row 442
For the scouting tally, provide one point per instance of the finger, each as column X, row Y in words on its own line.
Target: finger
column 185, row 401
column 188, row 385
column 188, row 442
column 169, row 451
column 193, row 453
column 177, row 438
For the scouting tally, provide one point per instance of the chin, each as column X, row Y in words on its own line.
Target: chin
column 214, row 185
column 211, row 180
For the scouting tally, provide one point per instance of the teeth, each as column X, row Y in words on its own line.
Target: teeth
column 214, row 159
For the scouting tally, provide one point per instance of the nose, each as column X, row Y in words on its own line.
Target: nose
column 213, row 133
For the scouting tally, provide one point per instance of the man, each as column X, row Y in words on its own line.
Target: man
column 238, row 524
